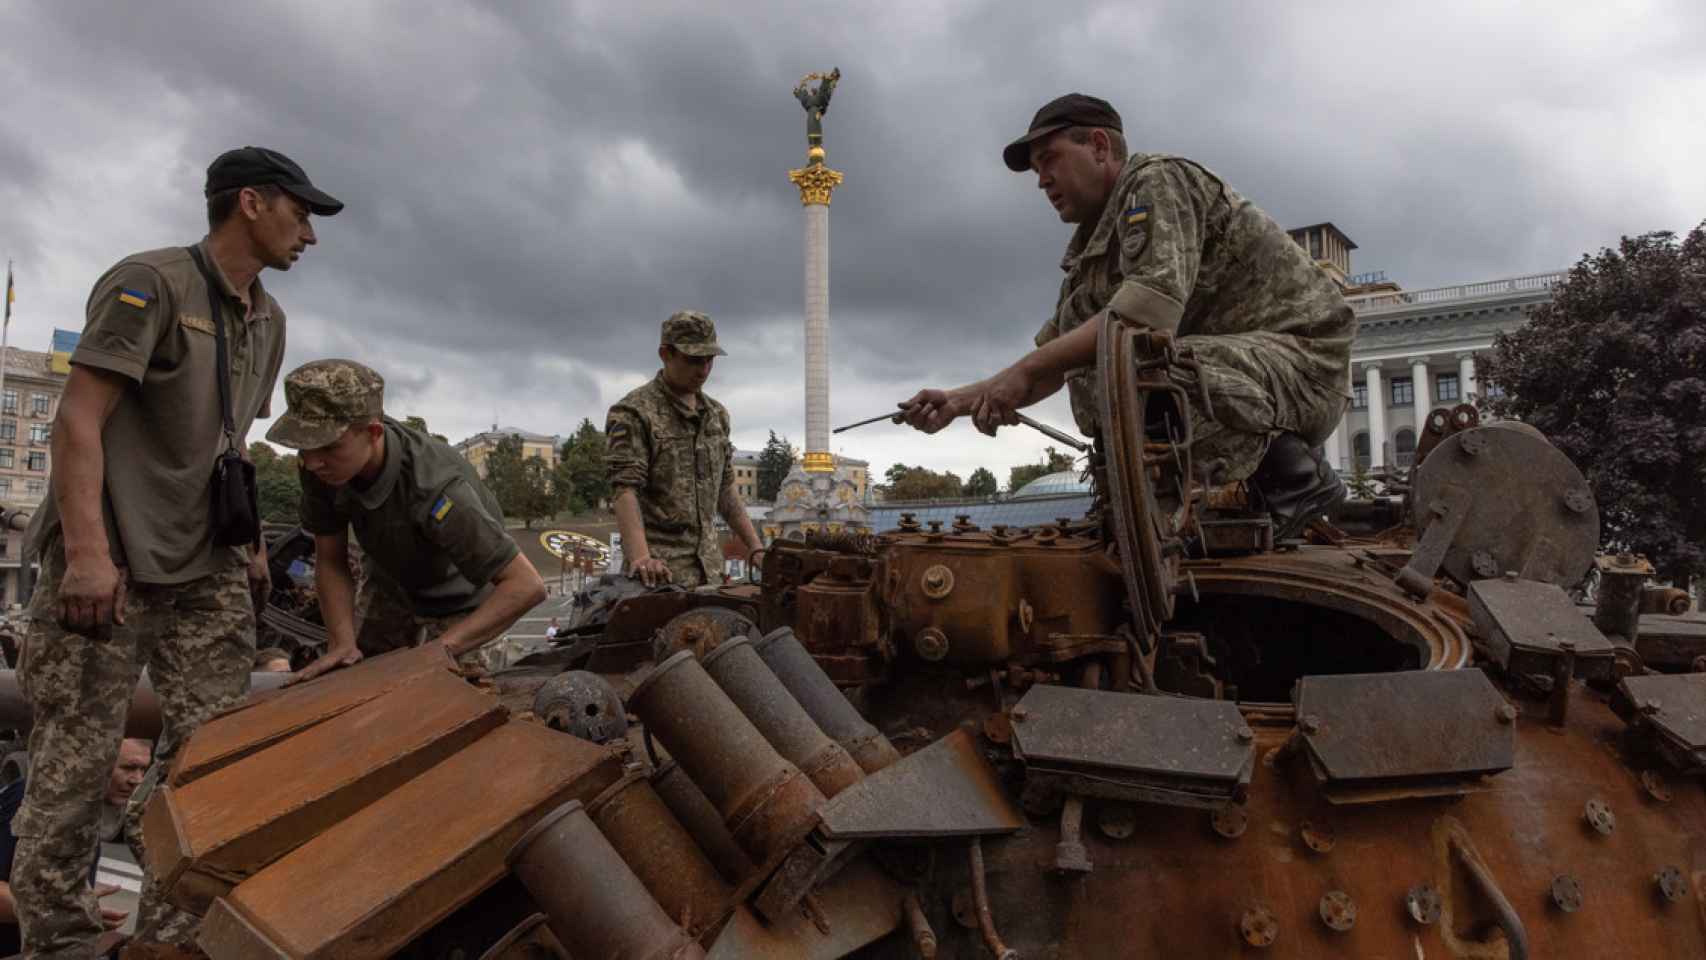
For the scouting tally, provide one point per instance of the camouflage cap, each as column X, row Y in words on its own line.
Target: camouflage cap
column 325, row 397
column 692, row 333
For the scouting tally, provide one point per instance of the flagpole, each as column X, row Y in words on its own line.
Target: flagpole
column 5, row 331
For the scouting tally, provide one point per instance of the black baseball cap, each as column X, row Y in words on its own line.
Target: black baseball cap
column 257, row 167
column 1072, row 110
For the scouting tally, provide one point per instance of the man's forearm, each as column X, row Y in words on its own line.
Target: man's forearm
column 336, row 590
column 1050, row 363
column 632, row 528
column 516, row 590
column 735, row 515
column 79, row 469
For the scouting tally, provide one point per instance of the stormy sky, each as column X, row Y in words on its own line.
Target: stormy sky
column 533, row 187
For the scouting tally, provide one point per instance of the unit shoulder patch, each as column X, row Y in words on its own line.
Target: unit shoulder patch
column 441, row 508
column 135, row 298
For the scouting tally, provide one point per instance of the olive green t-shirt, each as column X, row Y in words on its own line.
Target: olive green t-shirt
column 147, row 321
column 427, row 522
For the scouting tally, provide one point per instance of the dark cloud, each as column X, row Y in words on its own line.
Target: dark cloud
column 533, row 187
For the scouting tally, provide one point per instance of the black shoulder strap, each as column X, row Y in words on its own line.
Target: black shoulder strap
column 224, row 362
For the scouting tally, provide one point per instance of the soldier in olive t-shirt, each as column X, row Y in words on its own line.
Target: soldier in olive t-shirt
column 440, row 565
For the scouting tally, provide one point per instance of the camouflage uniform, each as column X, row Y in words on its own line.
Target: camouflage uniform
column 678, row 461
column 1270, row 329
column 431, row 531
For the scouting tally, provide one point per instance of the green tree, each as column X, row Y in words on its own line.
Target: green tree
column 774, row 462
column 1053, row 461
column 277, row 486
column 1613, row 371
column 981, row 483
column 583, row 477
column 918, row 483
column 419, row 423
column 523, row 485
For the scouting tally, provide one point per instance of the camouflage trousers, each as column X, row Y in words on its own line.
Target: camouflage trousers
column 197, row 641
column 386, row 620
column 1255, row 393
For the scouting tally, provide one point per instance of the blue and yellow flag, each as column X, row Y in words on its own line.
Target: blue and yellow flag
column 10, row 293
column 64, row 345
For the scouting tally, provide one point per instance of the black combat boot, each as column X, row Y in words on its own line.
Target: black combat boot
column 1295, row 484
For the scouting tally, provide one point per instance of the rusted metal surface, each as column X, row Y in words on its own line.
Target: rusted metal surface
column 752, row 686
column 1528, row 509
column 838, row 610
column 661, row 853
column 1192, row 753
column 1669, row 601
column 581, row 703
column 945, row 790
column 1622, row 584
column 1443, row 422
column 629, row 624
column 1671, row 712
column 594, row 903
column 531, row 939
column 1525, row 625
column 767, row 803
column 701, row 630
column 918, row 926
column 376, row 880
column 267, row 718
column 980, row 901
column 205, row 836
column 141, row 722
column 858, row 906
column 823, row 701
column 1426, row 731
column 1672, row 643
column 699, row 817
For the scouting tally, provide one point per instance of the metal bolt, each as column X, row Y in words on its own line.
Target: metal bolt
column 1672, row 886
column 1020, row 712
column 1654, row 783
column 1484, row 563
column 1230, row 821
column 935, row 526
column 1566, row 893
column 1507, row 713
column 1338, row 911
column 1564, row 646
column 1316, row 837
column 1649, row 708
column 1578, row 500
column 1599, row 816
column 1510, row 576
column 1259, row 927
column 1244, row 734
column 1311, row 724
column 1000, row 529
column 1423, row 903
column 931, row 644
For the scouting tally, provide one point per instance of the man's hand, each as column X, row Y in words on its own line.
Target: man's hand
column 928, row 410
column 260, row 579
column 110, row 919
column 652, row 571
column 91, row 594
column 1003, row 394
column 335, row 656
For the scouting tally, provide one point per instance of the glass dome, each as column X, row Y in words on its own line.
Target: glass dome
column 1064, row 483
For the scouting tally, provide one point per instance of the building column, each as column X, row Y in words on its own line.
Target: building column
column 1376, row 417
column 1466, row 385
column 1419, row 387
column 1333, row 458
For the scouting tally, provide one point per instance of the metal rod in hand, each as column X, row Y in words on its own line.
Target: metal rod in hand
column 895, row 417
column 1043, row 428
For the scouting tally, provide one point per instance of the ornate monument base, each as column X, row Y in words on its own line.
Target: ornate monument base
column 816, row 500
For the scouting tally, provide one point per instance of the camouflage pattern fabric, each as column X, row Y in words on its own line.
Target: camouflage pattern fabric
column 197, row 640
column 386, row 620
column 325, row 397
column 692, row 333
column 680, row 463
column 1269, row 328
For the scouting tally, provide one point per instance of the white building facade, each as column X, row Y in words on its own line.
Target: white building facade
column 1416, row 350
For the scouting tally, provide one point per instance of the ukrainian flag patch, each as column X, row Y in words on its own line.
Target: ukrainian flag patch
column 441, row 509
column 135, row 298
column 1136, row 215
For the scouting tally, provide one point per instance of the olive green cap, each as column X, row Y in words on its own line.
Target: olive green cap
column 692, row 333
column 325, row 398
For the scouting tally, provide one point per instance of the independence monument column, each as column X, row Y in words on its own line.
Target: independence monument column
column 816, row 181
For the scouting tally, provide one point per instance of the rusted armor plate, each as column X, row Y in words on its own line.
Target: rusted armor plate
column 270, row 717
column 1117, row 732
column 208, row 834
column 1419, row 724
column 1675, row 704
column 944, row 790
column 1525, row 623
column 378, row 879
column 859, row 905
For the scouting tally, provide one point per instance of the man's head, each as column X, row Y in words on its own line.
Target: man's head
column 133, row 759
column 333, row 418
column 272, row 660
column 1076, row 146
column 687, row 347
column 266, row 198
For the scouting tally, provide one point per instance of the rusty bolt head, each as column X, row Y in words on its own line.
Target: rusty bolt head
column 1310, row 723
column 1598, row 815
column 1578, row 500
column 937, row 581
column 1625, row 559
column 1019, row 713
column 1671, row 884
column 1484, row 563
column 1648, row 708
column 1566, row 646
column 1423, row 903
column 1338, row 911
column 1507, row 713
column 1244, row 734
column 931, row 644
column 1317, row 837
column 1229, row 821
column 1566, row 893
column 935, row 526
column 1473, row 442
column 1654, row 783
column 1117, row 821
column 1511, row 576
column 1259, row 927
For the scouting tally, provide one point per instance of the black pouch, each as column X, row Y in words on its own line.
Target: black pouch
column 234, row 513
